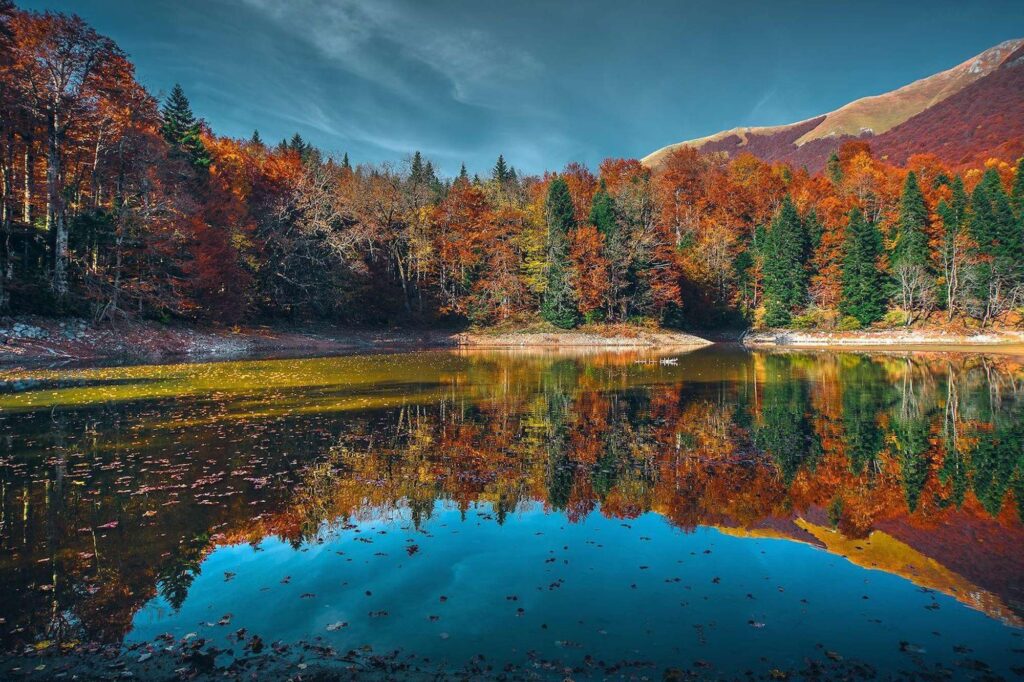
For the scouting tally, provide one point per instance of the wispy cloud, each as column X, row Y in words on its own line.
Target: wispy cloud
column 378, row 40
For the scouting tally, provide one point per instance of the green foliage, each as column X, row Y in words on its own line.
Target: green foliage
column 785, row 433
column 849, row 324
column 181, row 129
column 501, row 173
column 895, row 318
column 1000, row 244
column 812, row 319
column 863, row 296
column 602, row 212
column 785, row 250
column 1017, row 192
column 834, row 169
column 559, row 304
column 862, row 433
column 911, row 244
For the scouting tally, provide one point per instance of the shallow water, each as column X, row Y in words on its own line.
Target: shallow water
column 606, row 514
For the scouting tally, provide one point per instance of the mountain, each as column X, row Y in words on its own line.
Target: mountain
column 964, row 115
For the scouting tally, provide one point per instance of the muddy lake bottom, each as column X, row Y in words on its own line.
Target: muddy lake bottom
column 730, row 514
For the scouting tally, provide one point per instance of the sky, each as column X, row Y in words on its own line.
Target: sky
column 544, row 83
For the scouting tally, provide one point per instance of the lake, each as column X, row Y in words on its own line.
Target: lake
column 716, row 513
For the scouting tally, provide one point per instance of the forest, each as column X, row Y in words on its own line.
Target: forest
column 117, row 203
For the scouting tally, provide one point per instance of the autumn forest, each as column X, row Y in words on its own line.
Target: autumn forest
column 120, row 203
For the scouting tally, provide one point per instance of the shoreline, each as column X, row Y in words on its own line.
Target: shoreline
column 992, row 341
column 30, row 340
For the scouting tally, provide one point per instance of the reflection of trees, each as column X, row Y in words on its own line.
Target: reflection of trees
column 851, row 440
column 785, row 430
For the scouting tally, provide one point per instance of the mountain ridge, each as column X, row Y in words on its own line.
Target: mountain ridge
column 883, row 118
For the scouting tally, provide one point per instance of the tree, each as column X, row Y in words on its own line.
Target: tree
column 997, row 276
column 910, row 262
column 1017, row 193
column 785, row 280
column 559, row 304
column 182, row 131
column 955, row 244
column 834, row 168
column 863, row 293
column 59, row 64
column 501, row 173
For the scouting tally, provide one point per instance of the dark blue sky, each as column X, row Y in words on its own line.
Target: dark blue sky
column 542, row 82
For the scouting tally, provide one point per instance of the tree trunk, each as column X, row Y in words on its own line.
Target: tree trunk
column 26, row 207
column 55, row 225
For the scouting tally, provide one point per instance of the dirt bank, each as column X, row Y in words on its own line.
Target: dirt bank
column 34, row 340
column 610, row 338
column 42, row 340
column 890, row 339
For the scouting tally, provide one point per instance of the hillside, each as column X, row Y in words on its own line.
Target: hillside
column 964, row 114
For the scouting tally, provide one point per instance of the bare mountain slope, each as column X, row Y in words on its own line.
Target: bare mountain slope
column 986, row 88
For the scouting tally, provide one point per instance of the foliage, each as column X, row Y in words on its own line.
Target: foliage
column 115, row 205
column 863, row 294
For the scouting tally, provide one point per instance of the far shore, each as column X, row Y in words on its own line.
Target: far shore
column 1006, row 341
column 33, row 340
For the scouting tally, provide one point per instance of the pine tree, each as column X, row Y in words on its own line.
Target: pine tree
column 602, row 212
column 910, row 265
column 256, row 139
column 463, row 175
column 1000, row 245
column 814, row 231
column 785, row 280
column 500, row 174
column 953, row 253
column 559, row 305
column 1017, row 193
column 834, row 169
column 345, row 164
column 416, row 174
column 181, row 129
column 911, row 245
column 862, row 287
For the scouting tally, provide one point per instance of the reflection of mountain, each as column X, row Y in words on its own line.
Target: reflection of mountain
column 911, row 466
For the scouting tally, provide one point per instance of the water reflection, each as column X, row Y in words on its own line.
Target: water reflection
column 116, row 484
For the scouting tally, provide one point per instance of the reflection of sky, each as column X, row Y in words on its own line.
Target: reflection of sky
column 544, row 83
column 619, row 597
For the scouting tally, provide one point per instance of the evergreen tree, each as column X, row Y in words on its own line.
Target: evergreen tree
column 602, row 212
column 256, row 139
column 785, row 280
column 910, row 264
column 814, row 230
column 181, row 129
column 862, row 287
column 1017, row 193
column 345, row 162
column 1000, row 245
column 953, row 215
column 416, row 174
column 559, row 305
column 911, row 245
column 834, row 169
column 307, row 152
column 500, row 174
column 463, row 175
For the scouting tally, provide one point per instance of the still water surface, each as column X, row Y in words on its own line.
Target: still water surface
column 604, row 514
